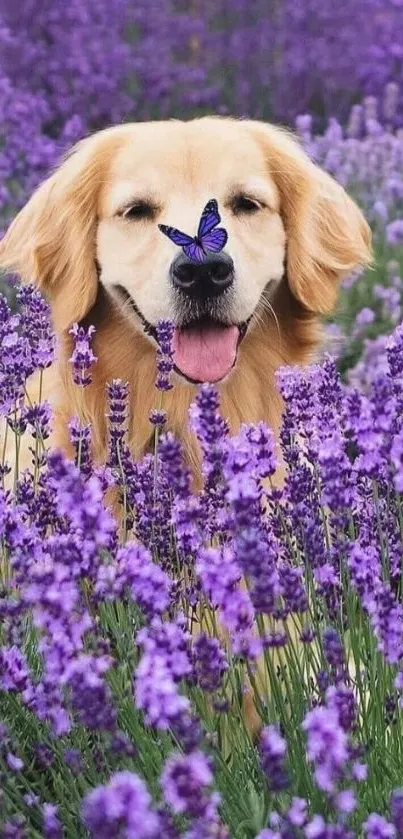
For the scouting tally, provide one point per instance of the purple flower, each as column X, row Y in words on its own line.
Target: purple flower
column 209, row 662
column 35, row 324
column 256, row 549
column 38, row 419
column 80, row 436
column 346, row 801
column 396, row 457
column 82, row 357
column 342, row 699
column 31, row 799
column 327, row 746
column 73, row 759
column 297, row 812
column 14, row 675
column 165, row 364
column 333, row 649
column 377, row 827
column 291, row 582
column 365, row 317
column 220, row 578
column 124, row 804
column 317, row 828
column 396, row 810
column 149, row 585
column 15, row 763
column 157, row 417
column 394, row 232
column 91, row 697
column 82, row 503
column 164, row 663
column 273, row 750
column 211, row 431
column 52, row 828
column 175, row 471
column 14, row 828
column 185, row 781
column 117, row 393
column 335, row 470
column 359, row 771
column 384, row 610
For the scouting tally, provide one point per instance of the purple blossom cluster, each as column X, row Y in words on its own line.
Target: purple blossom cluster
column 131, row 649
column 365, row 155
column 242, row 57
column 63, row 70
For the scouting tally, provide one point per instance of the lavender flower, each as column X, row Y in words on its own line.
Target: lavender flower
column 52, row 828
column 396, row 809
column 211, row 431
column 90, row 696
column 273, row 749
column 149, row 585
column 377, row 827
column 117, row 393
column 80, row 436
column 342, row 699
column 327, row 746
column 394, row 232
column 14, row 762
column 185, row 781
column 157, row 417
column 164, row 333
column 220, row 577
column 122, row 804
column 82, row 357
column 209, row 662
column 333, row 649
column 164, row 663
column 14, row 828
column 35, row 324
column 346, row 801
column 297, row 812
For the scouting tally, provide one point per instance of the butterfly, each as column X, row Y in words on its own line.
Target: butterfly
column 209, row 237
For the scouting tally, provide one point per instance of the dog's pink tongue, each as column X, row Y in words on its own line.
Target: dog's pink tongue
column 205, row 353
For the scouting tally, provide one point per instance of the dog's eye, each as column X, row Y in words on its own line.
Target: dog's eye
column 140, row 211
column 244, row 204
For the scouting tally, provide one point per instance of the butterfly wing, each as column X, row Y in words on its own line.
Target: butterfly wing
column 194, row 251
column 210, row 217
column 176, row 236
column 216, row 240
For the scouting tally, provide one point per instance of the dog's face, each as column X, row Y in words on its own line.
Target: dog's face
column 166, row 173
column 96, row 220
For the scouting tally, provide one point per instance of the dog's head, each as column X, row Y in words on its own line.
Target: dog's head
column 95, row 220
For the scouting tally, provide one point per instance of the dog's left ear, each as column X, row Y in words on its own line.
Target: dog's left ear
column 51, row 242
column 327, row 234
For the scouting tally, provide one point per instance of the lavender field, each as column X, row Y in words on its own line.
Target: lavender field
column 130, row 651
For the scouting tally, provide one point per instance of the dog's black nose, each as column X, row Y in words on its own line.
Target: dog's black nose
column 204, row 279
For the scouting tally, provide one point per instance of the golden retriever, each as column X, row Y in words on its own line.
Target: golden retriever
column 89, row 239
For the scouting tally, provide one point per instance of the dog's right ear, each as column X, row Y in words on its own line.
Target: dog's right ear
column 327, row 234
column 51, row 242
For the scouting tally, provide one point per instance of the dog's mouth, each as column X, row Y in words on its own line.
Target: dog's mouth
column 204, row 349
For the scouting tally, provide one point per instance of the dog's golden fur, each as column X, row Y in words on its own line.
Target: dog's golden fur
column 71, row 220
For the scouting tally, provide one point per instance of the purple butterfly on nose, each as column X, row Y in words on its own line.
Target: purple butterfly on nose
column 209, row 238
